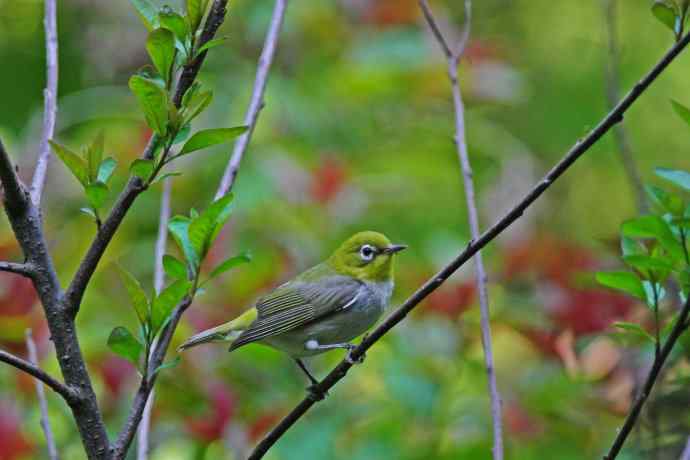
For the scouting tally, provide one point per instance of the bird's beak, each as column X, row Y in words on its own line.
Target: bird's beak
column 393, row 248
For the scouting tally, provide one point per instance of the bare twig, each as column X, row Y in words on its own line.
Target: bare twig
column 20, row 269
column 28, row 367
column 50, row 100
column 613, row 95
column 466, row 168
column 42, row 403
column 134, row 187
column 679, row 327
column 159, row 279
column 257, row 100
column 580, row 147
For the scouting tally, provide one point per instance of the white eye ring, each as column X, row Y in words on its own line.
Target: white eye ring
column 367, row 252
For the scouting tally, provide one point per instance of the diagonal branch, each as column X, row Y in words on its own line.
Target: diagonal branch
column 463, row 155
column 135, row 187
column 580, row 148
column 60, row 388
column 24, row 269
column 50, row 100
column 42, row 403
column 679, row 327
column 257, row 100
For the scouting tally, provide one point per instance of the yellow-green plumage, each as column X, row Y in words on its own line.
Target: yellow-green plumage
column 323, row 308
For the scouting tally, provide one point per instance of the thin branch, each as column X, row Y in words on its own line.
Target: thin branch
column 20, row 269
column 135, row 187
column 257, row 99
column 50, row 100
column 679, row 327
column 613, row 95
column 57, row 386
column 466, row 169
column 611, row 119
column 159, row 280
column 42, row 403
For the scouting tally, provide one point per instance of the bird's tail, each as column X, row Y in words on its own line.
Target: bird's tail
column 226, row 332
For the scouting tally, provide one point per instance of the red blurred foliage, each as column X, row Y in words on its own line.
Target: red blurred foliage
column 590, row 310
column 452, row 300
column 392, row 12
column 115, row 373
column 519, row 422
column 210, row 427
column 327, row 180
column 262, row 424
column 481, row 50
column 13, row 443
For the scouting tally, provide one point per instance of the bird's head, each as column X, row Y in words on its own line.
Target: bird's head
column 367, row 256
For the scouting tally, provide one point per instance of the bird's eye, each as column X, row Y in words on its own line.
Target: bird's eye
column 367, row 252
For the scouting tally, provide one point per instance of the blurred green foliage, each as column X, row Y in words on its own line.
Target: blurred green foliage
column 356, row 134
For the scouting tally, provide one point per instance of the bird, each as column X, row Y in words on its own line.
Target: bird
column 322, row 309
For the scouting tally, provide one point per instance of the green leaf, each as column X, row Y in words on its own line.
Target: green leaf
column 89, row 212
column 230, row 263
column 142, row 168
column 123, row 344
column 166, row 301
column 105, row 170
column 682, row 111
column 665, row 14
column 160, row 45
column 198, row 104
column 147, row 12
column 136, row 293
column 97, row 193
column 622, row 281
column 634, row 329
column 179, row 228
column 195, row 12
column 202, row 230
column 153, row 100
column 182, row 134
column 630, row 246
column 211, row 44
column 168, row 365
column 94, row 156
column 643, row 263
column 663, row 200
column 654, row 227
column 678, row 177
column 174, row 23
column 649, row 292
column 173, row 267
column 210, row 137
column 165, row 176
column 74, row 162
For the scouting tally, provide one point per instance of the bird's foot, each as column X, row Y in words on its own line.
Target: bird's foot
column 352, row 360
column 315, row 393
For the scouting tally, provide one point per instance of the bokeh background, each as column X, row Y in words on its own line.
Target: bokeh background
column 356, row 134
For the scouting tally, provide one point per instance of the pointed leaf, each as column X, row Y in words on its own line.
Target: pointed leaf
column 230, row 263
column 153, row 101
column 175, row 23
column 198, row 104
column 88, row 212
column 622, row 281
column 147, row 13
column 179, row 228
column 665, row 14
column 123, row 344
column 97, row 193
column 74, row 162
column 168, row 365
column 678, row 177
column 165, row 176
column 203, row 228
column 142, row 168
column 182, row 134
column 654, row 227
column 105, row 170
column 647, row 263
column 166, row 301
column 210, row 44
column 682, row 111
column 160, row 45
column 210, row 137
column 634, row 329
column 136, row 293
column 173, row 267
column 195, row 12
column 94, row 156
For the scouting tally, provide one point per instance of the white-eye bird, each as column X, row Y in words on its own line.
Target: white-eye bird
column 321, row 309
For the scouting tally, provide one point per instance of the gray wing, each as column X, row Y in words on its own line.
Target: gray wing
column 298, row 303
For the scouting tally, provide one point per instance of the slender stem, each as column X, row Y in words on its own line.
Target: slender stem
column 678, row 328
column 42, row 403
column 20, row 269
column 620, row 133
column 257, row 99
column 50, row 100
column 579, row 149
column 60, row 388
column 473, row 215
column 159, row 278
